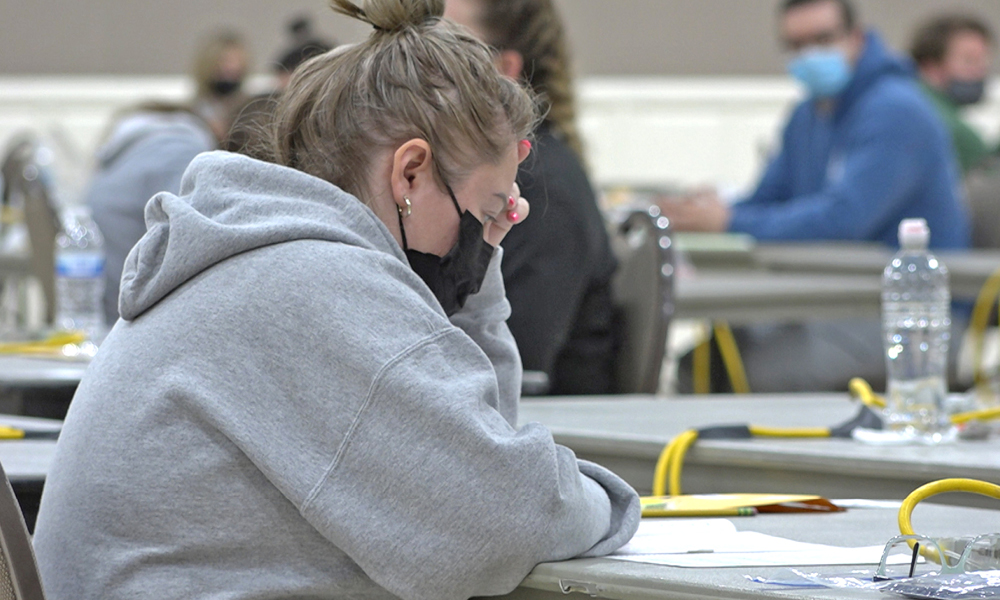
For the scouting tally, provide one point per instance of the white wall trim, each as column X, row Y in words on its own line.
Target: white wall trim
column 664, row 131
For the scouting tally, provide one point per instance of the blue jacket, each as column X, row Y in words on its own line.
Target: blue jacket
column 854, row 172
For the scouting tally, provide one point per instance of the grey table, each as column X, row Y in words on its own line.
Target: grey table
column 626, row 434
column 27, row 461
column 619, row 580
column 742, row 297
column 969, row 269
column 30, row 372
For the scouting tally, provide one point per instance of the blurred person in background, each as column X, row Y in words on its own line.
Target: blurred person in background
column 250, row 118
column 558, row 266
column 864, row 151
column 952, row 53
column 146, row 152
column 220, row 67
column 304, row 44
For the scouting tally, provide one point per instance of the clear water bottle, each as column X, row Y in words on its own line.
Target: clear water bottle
column 79, row 258
column 916, row 327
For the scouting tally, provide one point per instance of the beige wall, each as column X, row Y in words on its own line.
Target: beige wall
column 611, row 37
column 718, row 37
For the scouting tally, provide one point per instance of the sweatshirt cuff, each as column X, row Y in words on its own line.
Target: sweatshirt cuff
column 625, row 509
column 492, row 296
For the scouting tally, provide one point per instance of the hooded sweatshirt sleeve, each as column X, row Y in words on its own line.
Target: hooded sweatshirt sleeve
column 484, row 319
column 436, row 496
column 775, row 184
column 881, row 164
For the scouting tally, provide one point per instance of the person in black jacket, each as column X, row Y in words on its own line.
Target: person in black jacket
column 558, row 266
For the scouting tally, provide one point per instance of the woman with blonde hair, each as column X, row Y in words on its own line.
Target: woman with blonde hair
column 558, row 267
column 220, row 67
column 312, row 391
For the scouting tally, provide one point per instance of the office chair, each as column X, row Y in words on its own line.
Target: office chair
column 643, row 292
column 25, row 184
column 19, row 578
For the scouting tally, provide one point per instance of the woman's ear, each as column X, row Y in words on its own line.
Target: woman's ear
column 412, row 169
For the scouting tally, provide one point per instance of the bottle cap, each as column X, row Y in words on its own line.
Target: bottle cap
column 914, row 234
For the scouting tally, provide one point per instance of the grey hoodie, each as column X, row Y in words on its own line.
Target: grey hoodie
column 286, row 412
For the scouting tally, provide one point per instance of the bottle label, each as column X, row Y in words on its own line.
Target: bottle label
column 79, row 266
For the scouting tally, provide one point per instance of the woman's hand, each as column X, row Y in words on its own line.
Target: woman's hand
column 516, row 211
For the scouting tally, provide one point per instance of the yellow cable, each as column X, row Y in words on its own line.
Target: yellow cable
column 661, row 471
column 988, row 295
column 678, row 445
column 701, row 367
column 975, row 415
column 790, row 432
column 685, row 441
column 860, row 389
column 731, row 358
column 45, row 346
column 972, row 486
column 11, row 433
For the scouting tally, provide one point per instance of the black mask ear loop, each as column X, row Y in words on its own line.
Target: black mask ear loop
column 399, row 213
column 454, row 200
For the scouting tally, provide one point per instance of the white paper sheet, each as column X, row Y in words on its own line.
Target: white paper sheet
column 829, row 555
column 667, row 536
column 717, row 543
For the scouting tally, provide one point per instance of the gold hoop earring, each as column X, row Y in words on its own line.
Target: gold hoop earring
column 409, row 208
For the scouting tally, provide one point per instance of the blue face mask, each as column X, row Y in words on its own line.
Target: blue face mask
column 824, row 71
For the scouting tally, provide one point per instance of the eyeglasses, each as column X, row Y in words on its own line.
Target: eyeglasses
column 821, row 39
column 938, row 556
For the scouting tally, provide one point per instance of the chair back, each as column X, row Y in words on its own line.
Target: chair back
column 25, row 184
column 643, row 288
column 982, row 190
column 19, row 578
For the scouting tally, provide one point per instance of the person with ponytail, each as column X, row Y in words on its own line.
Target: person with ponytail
column 558, row 266
column 312, row 392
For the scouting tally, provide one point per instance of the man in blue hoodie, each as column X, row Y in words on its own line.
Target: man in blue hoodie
column 864, row 151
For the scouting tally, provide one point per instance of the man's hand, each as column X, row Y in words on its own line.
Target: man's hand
column 698, row 211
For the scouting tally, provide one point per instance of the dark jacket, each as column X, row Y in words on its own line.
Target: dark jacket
column 557, row 269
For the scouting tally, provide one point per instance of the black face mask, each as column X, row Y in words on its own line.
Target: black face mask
column 964, row 93
column 456, row 275
column 225, row 87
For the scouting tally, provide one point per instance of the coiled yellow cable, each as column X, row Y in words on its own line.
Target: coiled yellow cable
column 972, row 486
column 671, row 462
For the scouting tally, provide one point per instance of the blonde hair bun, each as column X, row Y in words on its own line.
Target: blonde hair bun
column 391, row 15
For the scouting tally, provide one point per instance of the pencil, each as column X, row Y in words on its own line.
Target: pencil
column 745, row 511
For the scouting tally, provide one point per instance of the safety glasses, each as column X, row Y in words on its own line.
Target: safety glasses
column 939, row 556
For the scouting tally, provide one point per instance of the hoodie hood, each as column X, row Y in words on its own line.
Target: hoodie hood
column 875, row 63
column 230, row 204
column 139, row 126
